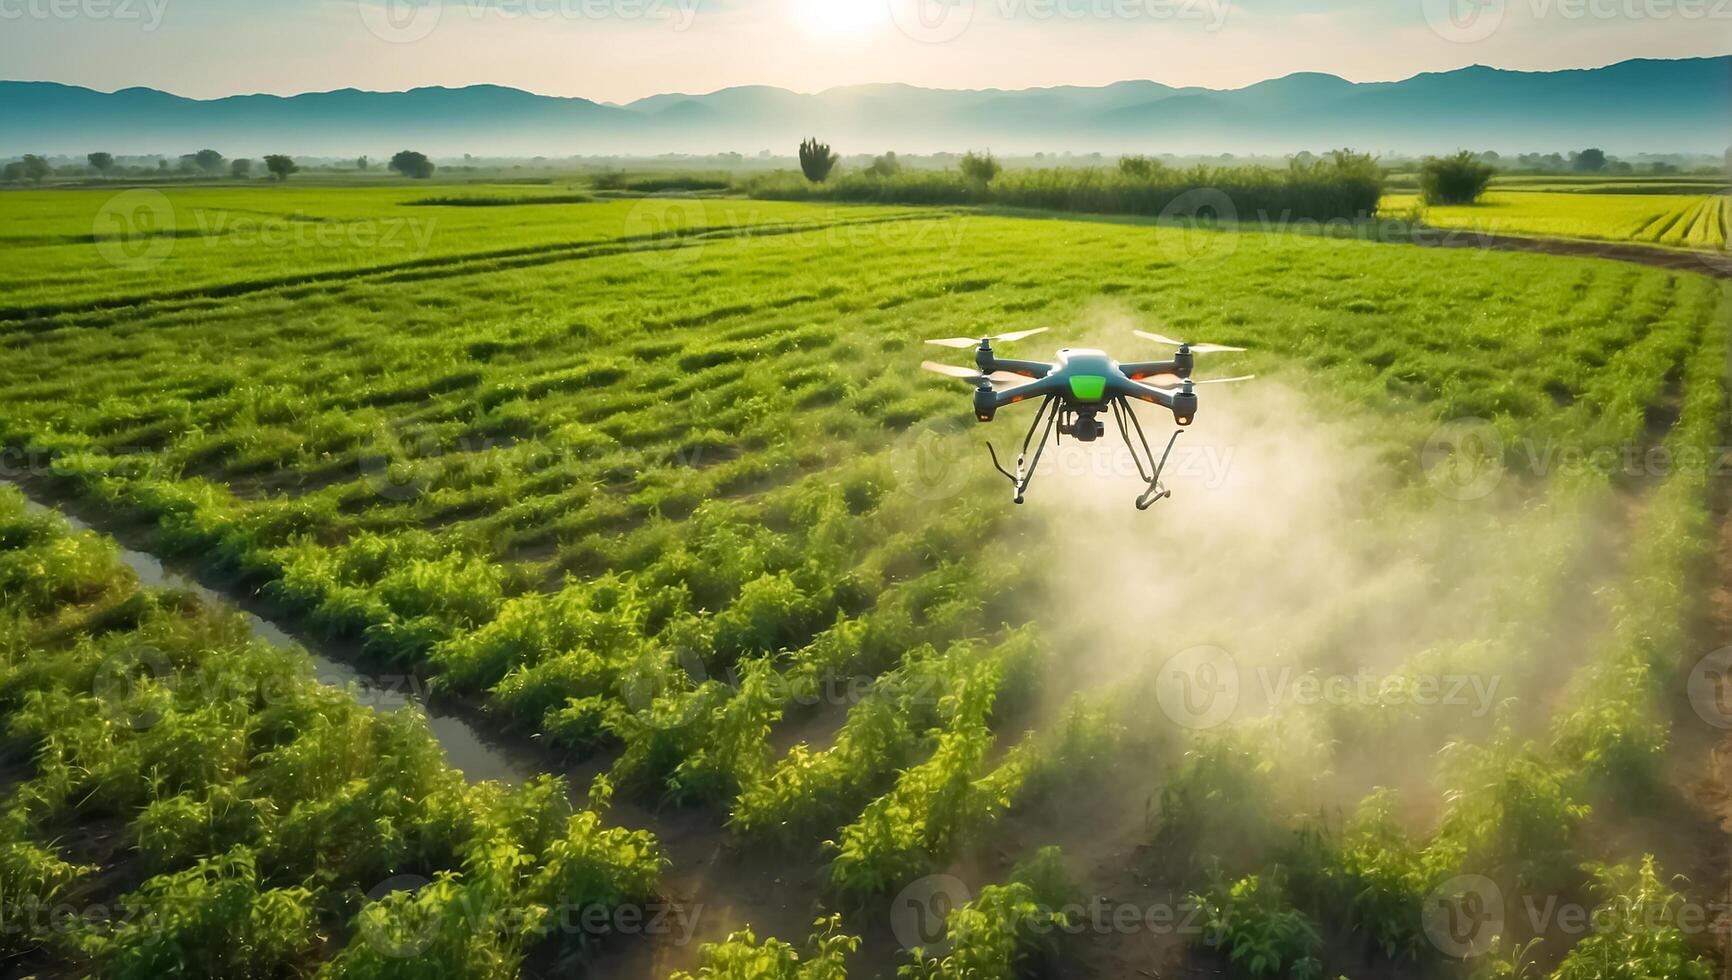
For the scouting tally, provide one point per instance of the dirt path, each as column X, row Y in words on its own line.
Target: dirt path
column 1707, row 263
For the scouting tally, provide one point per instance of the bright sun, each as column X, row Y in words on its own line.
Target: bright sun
column 838, row 19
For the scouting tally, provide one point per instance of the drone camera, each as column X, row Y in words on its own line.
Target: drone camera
column 1083, row 427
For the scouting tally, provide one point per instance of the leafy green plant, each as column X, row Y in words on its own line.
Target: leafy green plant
column 1636, row 930
column 1251, row 921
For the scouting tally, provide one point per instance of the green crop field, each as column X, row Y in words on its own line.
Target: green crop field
column 1694, row 221
column 656, row 488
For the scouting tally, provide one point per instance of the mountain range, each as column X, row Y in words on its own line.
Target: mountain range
column 1634, row 106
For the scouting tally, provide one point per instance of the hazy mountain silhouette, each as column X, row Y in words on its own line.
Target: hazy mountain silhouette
column 1633, row 106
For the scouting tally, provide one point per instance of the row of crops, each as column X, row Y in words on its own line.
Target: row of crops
column 1695, row 224
column 184, row 800
column 655, row 510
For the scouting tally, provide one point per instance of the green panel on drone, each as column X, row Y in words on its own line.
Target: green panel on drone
column 1088, row 387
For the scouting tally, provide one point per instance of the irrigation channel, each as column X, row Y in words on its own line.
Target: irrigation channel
column 476, row 755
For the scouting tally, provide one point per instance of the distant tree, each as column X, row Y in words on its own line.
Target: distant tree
column 411, row 163
column 816, row 160
column 13, row 172
column 35, row 167
column 1139, row 167
column 1660, row 168
column 281, row 166
column 101, row 162
column 241, row 168
column 188, row 163
column 210, row 161
column 362, row 163
column 1459, row 179
column 885, row 166
column 1590, row 161
column 980, row 168
column 161, row 164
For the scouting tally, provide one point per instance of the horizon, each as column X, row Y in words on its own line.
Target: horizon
column 620, row 51
column 851, row 85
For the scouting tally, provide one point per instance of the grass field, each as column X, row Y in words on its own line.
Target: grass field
column 1695, row 221
column 657, row 485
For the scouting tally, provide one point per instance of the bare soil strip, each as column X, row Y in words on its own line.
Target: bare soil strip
column 1707, row 263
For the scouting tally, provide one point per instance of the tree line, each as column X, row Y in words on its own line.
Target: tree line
column 34, row 168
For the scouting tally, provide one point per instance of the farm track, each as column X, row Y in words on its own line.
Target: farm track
column 48, row 316
column 1707, row 263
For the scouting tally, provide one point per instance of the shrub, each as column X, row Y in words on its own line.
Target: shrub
column 1459, row 179
column 1139, row 167
column 980, row 168
column 885, row 166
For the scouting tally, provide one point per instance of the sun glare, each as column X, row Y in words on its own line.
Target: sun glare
column 838, row 19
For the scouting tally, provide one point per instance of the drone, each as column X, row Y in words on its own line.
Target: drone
column 1075, row 389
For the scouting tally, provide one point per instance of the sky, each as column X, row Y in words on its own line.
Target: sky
column 619, row 50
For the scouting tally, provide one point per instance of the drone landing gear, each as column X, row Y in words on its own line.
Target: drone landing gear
column 1021, row 479
column 1121, row 409
column 1121, row 412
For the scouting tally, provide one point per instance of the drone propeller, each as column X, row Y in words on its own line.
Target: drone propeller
column 1194, row 348
column 1209, row 381
column 961, row 343
column 969, row 374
